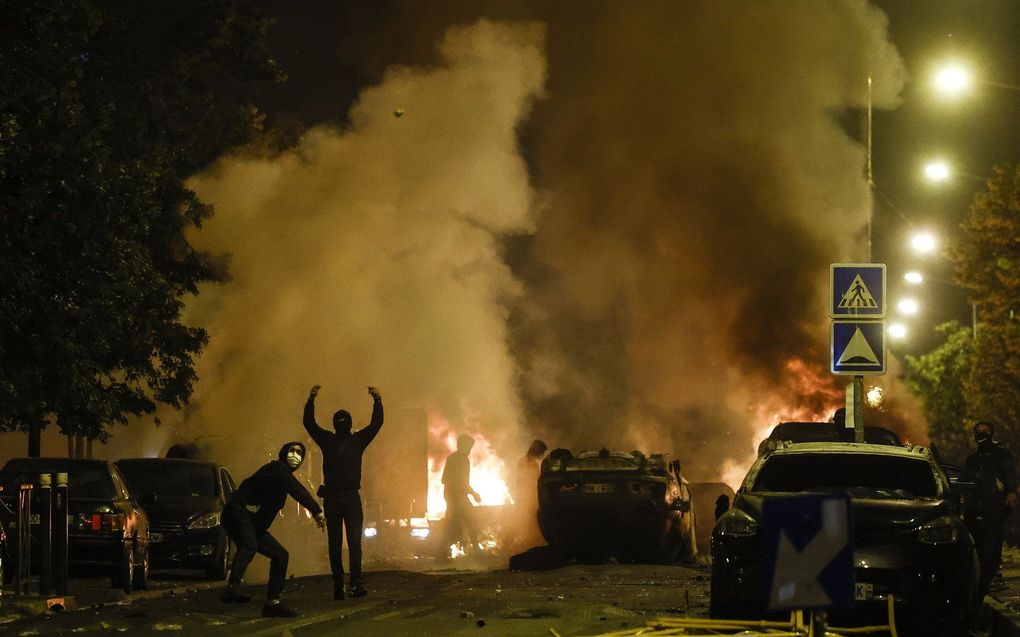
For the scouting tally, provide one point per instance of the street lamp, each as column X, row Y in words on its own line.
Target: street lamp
column 937, row 171
column 907, row 306
column 923, row 242
column 952, row 80
column 914, row 278
column 897, row 331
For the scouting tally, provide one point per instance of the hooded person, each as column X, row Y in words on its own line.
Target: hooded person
column 342, row 449
column 250, row 512
column 994, row 471
column 457, row 491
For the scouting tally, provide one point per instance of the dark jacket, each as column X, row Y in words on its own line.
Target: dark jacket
column 264, row 493
column 994, row 471
column 341, row 453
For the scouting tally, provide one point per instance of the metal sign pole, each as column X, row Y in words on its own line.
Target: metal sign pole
column 858, row 409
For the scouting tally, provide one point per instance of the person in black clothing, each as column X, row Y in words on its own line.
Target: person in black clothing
column 457, row 491
column 340, row 491
column 248, row 515
column 994, row 471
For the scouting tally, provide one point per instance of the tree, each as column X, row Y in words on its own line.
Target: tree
column 987, row 262
column 105, row 109
column 940, row 378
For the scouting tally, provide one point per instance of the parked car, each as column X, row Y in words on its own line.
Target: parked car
column 826, row 432
column 106, row 527
column 909, row 535
column 628, row 506
column 183, row 499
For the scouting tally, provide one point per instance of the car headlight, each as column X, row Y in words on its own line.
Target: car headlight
column 738, row 523
column 206, row 521
column 371, row 531
column 943, row 530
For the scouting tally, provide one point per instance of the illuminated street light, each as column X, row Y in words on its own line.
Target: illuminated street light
column 907, row 306
column 952, row 80
column 897, row 330
column 923, row 242
column 913, row 277
column 937, row 171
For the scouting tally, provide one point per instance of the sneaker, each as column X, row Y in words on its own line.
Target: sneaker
column 231, row 594
column 338, row 590
column 357, row 590
column 270, row 609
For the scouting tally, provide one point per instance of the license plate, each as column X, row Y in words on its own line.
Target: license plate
column 863, row 592
column 598, row 488
column 155, row 537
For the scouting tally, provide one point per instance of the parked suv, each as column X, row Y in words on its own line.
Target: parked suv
column 184, row 499
column 909, row 536
column 106, row 525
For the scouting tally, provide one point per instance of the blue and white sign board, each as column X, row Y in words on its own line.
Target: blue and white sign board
column 857, row 291
column 808, row 549
column 858, row 347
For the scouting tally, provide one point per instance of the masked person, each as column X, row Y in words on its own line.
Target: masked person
column 340, row 491
column 459, row 517
column 995, row 473
column 248, row 515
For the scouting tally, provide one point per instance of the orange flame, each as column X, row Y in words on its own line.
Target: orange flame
column 487, row 468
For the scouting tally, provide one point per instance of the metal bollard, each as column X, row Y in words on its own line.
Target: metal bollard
column 24, row 540
column 59, row 534
column 45, row 533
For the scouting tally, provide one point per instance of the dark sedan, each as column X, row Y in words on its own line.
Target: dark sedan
column 107, row 527
column 628, row 506
column 184, row 499
column 909, row 537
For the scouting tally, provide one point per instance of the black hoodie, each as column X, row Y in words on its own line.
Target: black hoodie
column 264, row 493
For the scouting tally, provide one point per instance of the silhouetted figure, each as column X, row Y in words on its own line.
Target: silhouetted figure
column 341, row 490
column 460, row 520
column 525, row 493
column 994, row 471
column 248, row 515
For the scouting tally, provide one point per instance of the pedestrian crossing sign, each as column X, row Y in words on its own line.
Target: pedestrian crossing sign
column 857, row 290
column 858, row 347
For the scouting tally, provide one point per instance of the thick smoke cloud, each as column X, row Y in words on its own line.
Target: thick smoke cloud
column 370, row 254
column 647, row 269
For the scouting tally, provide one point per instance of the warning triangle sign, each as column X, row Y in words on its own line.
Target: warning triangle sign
column 858, row 351
column 858, row 296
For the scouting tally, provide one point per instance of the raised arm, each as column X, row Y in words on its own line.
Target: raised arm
column 317, row 433
column 369, row 433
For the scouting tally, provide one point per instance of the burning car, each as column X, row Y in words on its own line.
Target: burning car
column 909, row 537
column 628, row 506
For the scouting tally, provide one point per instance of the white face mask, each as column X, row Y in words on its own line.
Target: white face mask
column 294, row 457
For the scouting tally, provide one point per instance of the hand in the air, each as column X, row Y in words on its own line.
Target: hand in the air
column 315, row 391
column 374, row 393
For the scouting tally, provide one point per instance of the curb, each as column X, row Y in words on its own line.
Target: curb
column 998, row 620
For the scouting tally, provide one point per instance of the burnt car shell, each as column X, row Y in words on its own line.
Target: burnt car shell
column 183, row 499
column 909, row 537
column 615, row 504
column 106, row 525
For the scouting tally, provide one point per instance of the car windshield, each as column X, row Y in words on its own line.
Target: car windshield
column 166, row 478
column 860, row 474
column 83, row 480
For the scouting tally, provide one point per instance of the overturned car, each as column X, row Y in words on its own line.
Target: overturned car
column 612, row 504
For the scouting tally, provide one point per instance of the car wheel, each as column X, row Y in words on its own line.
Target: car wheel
column 140, row 576
column 220, row 563
column 124, row 569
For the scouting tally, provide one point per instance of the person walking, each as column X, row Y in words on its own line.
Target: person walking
column 250, row 512
column 994, row 470
column 342, row 450
column 457, row 490
column 525, row 492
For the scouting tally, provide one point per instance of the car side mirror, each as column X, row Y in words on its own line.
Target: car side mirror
column 681, row 505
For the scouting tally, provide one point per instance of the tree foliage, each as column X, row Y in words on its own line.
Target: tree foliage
column 105, row 109
column 939, row 378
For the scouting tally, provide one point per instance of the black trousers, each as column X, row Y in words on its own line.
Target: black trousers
column 988, row 538
column 343, row 511
column 249, row 540
column 460, row 521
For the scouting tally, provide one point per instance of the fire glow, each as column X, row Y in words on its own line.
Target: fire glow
column 487, row 468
